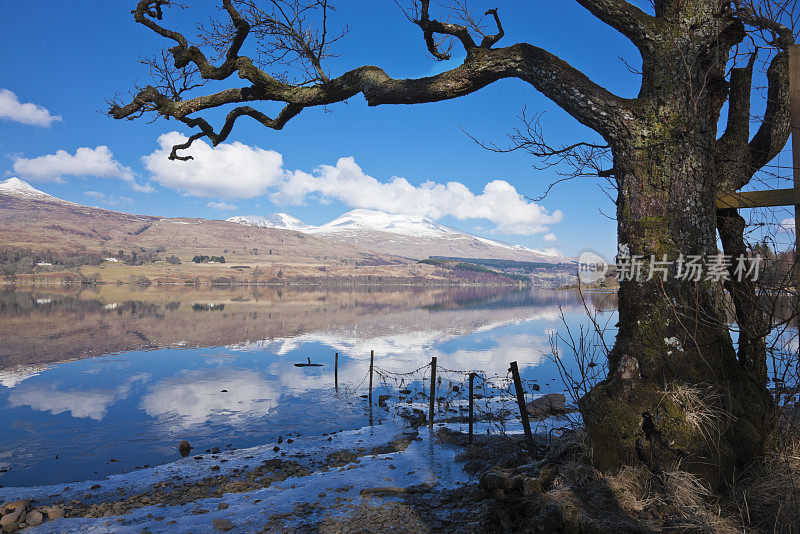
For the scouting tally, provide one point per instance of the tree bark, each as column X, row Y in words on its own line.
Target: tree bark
column 675, row 394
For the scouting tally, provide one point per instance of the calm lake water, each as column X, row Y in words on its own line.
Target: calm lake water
column 103, row 381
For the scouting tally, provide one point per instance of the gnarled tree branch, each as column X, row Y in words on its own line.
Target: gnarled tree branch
column 289, row 111
column 430, row 27
column 489, row 40
column 624, row 17
column 776, row 126
column 589, row 103
column 183, row 53
column 732, row 147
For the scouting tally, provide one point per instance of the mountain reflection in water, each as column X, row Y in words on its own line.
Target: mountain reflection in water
column 49, row 326
column 91, row 376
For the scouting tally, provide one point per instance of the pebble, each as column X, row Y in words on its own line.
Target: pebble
column 11, row 518
column 11, row 506
column 222, row 506
column 223, row 524
column 53, row 513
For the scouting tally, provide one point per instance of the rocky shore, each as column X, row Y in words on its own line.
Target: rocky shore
column 378, row 487
column 18, row 515
column 390, row 485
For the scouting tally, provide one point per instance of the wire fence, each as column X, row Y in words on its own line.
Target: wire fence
column 495, row 401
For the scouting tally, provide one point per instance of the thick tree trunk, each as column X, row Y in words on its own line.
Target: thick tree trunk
column 675, row 394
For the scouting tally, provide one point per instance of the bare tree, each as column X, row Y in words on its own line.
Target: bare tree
column 667, row 166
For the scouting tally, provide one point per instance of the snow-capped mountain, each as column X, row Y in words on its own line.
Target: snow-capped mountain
column 379, row 221
column 410, row 236
column 365, row 231
column 19, row 188
column 276, row 220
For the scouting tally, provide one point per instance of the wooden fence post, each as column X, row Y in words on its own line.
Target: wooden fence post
column 523, row 410
column 336, row 371
column 794, row 96
column 433, row 392
column 371, row 365
column 471, row 381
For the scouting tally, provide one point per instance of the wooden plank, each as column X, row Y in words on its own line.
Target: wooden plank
column 760, row 199
column 794, row 89
column 794, row 92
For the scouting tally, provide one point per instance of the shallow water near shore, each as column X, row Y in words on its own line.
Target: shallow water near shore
column 103, row 382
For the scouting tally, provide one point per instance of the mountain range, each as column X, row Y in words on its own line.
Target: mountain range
column 31, row 218
column 409, row 236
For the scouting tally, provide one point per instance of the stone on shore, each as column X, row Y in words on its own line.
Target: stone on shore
column 34, row 518
column 223, row 524
column 15, row 514
column 547, row 405
column 14, row 505
column 55, row 513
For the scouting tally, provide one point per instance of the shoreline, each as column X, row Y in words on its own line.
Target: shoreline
column 337, row 480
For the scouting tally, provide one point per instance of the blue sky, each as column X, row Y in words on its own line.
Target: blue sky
column 69, row 57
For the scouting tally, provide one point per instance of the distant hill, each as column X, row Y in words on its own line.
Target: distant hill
column 408, row 236
column 32, row 219
column 370, row 246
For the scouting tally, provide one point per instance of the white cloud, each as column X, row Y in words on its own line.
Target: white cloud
column 80, row 403
column 227, row 171
column 222, row 206
column 196, row 397
column 788, row 224
column 26, row 113
column 98, row 162
column 499, row 202
column 550, row 237
column 86, row 403
column 241, row 171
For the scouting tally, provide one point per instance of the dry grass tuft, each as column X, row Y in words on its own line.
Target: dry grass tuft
column 701, row 409
column 686, row 490
column 770, row 494
column 631, row 485
column 676, row 501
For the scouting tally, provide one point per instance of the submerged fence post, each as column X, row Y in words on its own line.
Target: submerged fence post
column 336, row 371
column 523, row 410
column 471, row 381
column 371, row 366
column 433, row 392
